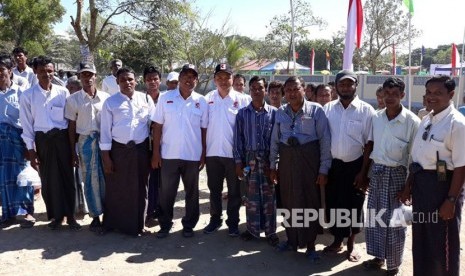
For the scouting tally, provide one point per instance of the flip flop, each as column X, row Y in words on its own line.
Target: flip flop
column 353, row 256
column 27, row 224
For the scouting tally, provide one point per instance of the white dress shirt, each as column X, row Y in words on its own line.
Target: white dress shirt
column 42, row 110
column 28, row 74
column 9, row 105
column 393, row 139
column 446, row 136
column 124, row 119
column 182, row 121
column 351, row 128
column 221, row 121
column 109, row 85
column 85, row 110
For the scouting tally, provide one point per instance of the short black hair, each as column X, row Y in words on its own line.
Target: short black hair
column 311, row 85
column 19, row 50
column 332, row 84
column 449, row 83
column 240, row 76
column 257, row 78
column 41, row 61
column 151, row 69
column 276, row 84
column 320, row 87
column 124, row 70
column 295, row 79
column 5, row 60
column 394, row 82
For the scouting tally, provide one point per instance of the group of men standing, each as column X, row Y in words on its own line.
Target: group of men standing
column 126, row 139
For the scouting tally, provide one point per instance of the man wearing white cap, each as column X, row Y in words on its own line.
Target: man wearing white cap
column 172, row 80
column 83, row 111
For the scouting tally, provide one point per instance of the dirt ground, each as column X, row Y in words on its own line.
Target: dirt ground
column 41, row 251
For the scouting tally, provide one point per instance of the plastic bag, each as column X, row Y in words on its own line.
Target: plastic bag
column 402, row 216
column 28, row 177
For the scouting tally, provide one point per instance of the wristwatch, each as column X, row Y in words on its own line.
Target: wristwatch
column 451, row 198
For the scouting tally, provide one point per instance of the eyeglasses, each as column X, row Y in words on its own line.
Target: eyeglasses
column 426, row 133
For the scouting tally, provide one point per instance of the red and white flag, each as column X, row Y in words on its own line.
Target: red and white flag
column 455, row 59
column 312, row 62
column 394, row 61
column 354, row 32
column 328, row 61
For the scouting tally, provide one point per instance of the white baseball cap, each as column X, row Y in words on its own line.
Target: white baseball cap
column 172, row 76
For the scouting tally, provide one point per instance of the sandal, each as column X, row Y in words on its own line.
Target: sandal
column 273, row 240
column 313, row 256
column 247, row 236
column 333, row 249
column 373, row 264
column 54, row 225
column 27, row 223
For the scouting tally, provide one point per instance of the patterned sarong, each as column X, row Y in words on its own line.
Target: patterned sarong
column 385, row 242
column 16, row 200
column 92, row 173
column 261, row 198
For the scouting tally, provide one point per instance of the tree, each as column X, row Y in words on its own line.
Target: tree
column 386, row 23
column 24, row 21
column 280, row 34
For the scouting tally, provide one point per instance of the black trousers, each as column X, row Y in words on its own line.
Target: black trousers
column 219, row 168
column 172, row 170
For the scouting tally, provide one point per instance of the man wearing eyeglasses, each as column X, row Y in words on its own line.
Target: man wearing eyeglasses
column 394, row 128
column 435, row 183
column 350, row 121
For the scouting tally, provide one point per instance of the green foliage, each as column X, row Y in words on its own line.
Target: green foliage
column 29, row 22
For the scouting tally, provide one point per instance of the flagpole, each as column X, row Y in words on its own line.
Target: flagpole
column 292, row 37
column 410, row 81
column 461, row 80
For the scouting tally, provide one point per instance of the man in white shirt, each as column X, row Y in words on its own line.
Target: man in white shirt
column 223, row 106
column 350, row 122
column 83, row 111
column 109, row 83
column 179, row 149
column 394, row 128
column 435, row 183
column 45, row 132
column 21, row 69
column 124, row 131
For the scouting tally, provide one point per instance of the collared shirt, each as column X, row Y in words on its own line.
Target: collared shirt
column 42, row 110
column 182, row 120
column 393, row 139
column 351, row 128
column 307, row 125
column 109, row 85
column 9, row 106
column 20, row 81
column 124, row 119
column 221, row 120
column 85, row 110
column 446, row 136
column 252, row 131
column 28, row 74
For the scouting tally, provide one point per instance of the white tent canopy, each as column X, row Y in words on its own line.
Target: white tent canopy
column 283, row 65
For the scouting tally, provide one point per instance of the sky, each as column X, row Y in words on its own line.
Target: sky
column 441, row 22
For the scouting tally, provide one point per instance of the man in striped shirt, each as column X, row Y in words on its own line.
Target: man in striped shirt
column 252, row 134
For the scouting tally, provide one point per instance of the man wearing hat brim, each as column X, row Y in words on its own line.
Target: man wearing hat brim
column 350, row 121
column 223, row 106
column 179, row 134
column 172, row 80
column 83, row 111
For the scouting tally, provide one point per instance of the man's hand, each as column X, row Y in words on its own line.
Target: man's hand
column 274, row 176
column 361, row 182
column 74, row 159
column 107, row 164
column 202, row 161
column 405, row 196
column 156, row 160
column 239, row 170
column 447, row 210
column 34, row 159
column 322, row 180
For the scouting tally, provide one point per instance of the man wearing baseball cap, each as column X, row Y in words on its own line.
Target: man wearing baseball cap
column 223, row 105
column 350, row 122
column 172, row 80
column 179, row 132
column 83, row 111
